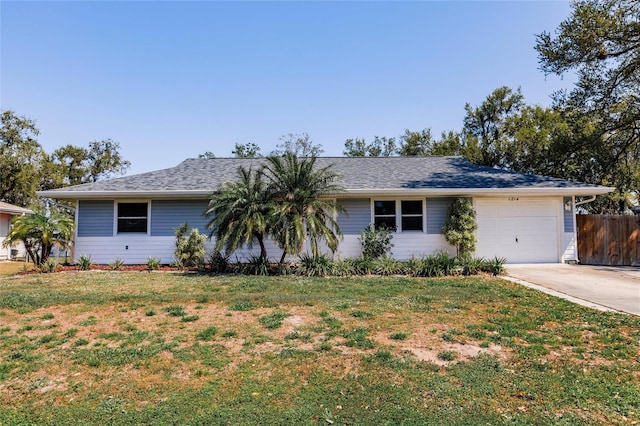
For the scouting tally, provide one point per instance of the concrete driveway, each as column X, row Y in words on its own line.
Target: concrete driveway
column 613, row 287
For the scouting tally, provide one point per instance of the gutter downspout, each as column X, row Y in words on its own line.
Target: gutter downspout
column 587, row 201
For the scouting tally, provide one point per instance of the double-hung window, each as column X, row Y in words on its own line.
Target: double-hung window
column 132, row 217
column 401, row 215
column 384, row 214
column 411, row 215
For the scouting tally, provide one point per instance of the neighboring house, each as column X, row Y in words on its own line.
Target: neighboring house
column 523, row 218
column 7, row 212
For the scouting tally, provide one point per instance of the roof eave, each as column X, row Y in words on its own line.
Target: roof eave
column 576, row 191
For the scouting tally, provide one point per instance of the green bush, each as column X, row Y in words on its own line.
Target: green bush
column 116, row 264
column 189, row 248
column 49, row 265
column 376, row 242
column 153, row 263
column 255, row 265
column 218, row 262
column 494, row 266
column 319, row 266
column 343, row 267
column 459, row 228
column 472, row 265
column 84, row 263
column 388, row 266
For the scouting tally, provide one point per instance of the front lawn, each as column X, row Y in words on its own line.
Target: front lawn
column 167, row 348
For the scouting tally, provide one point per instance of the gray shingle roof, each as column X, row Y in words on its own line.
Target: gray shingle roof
column 14, row 210
column 386, row 174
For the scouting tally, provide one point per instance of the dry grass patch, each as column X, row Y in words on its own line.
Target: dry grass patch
column 172, row 348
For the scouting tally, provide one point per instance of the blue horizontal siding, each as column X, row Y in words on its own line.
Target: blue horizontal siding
column 168, row 215
column 437, row 213
column 358, row 215
column 568, row 214
column 95, row 219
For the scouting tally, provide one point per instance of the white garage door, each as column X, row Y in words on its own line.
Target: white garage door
column 519, row 229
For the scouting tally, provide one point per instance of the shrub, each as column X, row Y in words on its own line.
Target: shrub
column 388, row 266
column 116, row 264
column 376, row 242
column 218, row 262
column 49, row 265
column 363, row 266
column 343, row 267
column 437, row 265
column 255, row 265
column 494, row 266
column 189, row 249
column 84, row 263
column 153, row 263
column 459, row 228
column 318, row 266
column 472, row 265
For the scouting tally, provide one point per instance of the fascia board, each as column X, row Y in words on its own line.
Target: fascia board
column 488, row 192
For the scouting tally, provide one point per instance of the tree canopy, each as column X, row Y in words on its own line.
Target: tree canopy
column 26, row 168
column 600, row 42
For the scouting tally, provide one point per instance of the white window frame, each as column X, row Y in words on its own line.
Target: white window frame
column 115, row 217
column 399, row 215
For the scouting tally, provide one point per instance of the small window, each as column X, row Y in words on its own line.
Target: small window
column 385, row 214
column 132, row 217
column 412, row 215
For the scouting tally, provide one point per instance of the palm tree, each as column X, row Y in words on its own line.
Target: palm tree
column 40, row 233
column 239, row 212
column 301, row 208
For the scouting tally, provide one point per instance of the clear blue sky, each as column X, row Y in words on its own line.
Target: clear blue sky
column 171, row 80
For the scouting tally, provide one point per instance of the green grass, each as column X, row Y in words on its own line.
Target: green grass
column 348, row 354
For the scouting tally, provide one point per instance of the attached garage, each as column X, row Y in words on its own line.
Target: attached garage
column 522, row 230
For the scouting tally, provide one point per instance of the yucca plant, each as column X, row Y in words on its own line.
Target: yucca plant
column 153, row 263
column 84, row 263
column 343, row 267
column 315, row 266
column 388, row 266
column 49, row 265
column 494, row 266
column 218, row 262
column 472, row 265
column 255, row 265
column 116, row 265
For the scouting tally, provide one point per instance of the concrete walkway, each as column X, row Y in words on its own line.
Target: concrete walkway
column 599, row 287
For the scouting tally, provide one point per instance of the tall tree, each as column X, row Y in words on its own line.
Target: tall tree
column 21, row 159
column 207, row 154
column 380, row 147
column 40, row 233
column 240, row 212
column 484, row 126
column 77, row 165
column 246, row 150
column 300, row 145
column 104, row 160
column 302, row 207
column 600, row 41
column 416, row 143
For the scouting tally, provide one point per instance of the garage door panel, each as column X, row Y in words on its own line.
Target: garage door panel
column 520, row 231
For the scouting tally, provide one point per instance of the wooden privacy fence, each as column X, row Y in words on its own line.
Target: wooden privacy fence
column 608, row 239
